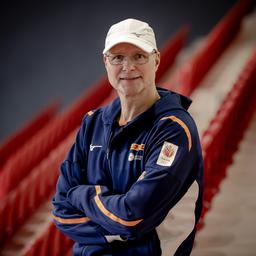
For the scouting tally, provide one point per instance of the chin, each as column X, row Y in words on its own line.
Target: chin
column 130, row 89
column 130, row 92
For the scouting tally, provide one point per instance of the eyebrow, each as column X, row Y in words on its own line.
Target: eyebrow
column 123, row 53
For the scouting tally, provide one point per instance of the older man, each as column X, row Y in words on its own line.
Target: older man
column 133, row 160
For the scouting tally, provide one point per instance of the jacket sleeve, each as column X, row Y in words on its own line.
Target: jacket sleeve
column 68, row 219
column 167, row 176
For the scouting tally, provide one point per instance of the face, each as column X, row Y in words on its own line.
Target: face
column 129, row 78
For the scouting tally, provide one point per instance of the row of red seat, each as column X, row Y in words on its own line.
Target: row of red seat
column 36, row 188
column 52, row 242
column 221, row 139
column 16, row 140
column 20, row 164
column 192, row 72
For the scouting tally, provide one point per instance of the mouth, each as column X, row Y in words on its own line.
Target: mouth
column 130, row 78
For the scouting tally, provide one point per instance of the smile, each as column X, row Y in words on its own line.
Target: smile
column 129, row 78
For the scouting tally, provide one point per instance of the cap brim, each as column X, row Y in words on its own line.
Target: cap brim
column 130, row 40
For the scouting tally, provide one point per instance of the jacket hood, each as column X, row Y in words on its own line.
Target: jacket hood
column 169, row 101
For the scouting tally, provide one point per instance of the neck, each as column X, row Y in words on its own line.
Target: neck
column 133, row 106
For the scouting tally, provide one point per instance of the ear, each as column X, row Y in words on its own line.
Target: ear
column 105, row 60
column 157, row 60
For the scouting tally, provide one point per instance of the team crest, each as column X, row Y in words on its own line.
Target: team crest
column 167, row 154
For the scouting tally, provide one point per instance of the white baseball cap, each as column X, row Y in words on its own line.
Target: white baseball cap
column 131, row 31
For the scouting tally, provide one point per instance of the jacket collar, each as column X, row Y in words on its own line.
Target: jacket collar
column 168, row 101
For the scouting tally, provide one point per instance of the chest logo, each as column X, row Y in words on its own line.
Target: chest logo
column 92, row 147
column 137, row 147
column 131, row 157
column 136, row 155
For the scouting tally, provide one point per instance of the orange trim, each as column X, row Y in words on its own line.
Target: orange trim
column 183, row 125
column 111, row 215
column 70, row 221
column 137, row 147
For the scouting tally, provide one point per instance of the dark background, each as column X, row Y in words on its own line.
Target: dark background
column 53, row 49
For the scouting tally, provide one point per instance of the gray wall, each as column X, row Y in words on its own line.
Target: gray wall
column 53, row 49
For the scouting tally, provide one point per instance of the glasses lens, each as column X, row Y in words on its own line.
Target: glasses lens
column 140, row 58
column 137, row 59
column 116, row 59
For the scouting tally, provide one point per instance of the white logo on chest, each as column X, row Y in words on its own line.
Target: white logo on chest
column 92, row 147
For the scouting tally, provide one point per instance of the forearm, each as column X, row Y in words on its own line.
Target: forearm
column 73, row 222
column 130, row 215
column 76, row 225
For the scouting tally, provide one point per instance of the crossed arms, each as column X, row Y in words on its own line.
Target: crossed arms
column 92, row 214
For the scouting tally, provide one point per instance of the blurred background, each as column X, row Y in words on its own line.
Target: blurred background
column 53, row 49
column 51, row 74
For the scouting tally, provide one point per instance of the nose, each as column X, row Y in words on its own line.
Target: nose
column 127, row 64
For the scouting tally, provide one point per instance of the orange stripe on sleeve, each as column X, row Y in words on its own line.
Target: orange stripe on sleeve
column 70, row 221
column 183, row 125
column 111, row 215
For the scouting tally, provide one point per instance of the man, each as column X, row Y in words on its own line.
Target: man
column 133, row 160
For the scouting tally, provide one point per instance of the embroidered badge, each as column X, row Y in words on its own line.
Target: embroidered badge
column 167, row 154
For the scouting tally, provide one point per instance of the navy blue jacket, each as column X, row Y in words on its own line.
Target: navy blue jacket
column 118, row 183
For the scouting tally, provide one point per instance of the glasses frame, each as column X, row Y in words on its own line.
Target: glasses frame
column 120, row 64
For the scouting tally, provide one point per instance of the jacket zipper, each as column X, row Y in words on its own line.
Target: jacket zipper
column 109, row 145
column 109, row 150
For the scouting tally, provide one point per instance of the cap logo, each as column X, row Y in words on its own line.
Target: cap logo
column 137, row 34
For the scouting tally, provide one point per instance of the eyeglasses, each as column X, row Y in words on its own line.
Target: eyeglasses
column 137, row 59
